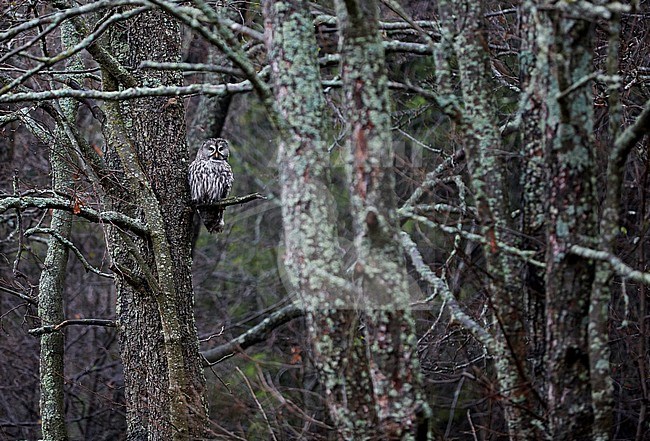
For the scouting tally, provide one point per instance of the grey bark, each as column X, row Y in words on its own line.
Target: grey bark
column 52, row 280
column 50, row 304
column 146, row 138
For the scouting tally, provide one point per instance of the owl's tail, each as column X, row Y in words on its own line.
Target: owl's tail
column 212, row 219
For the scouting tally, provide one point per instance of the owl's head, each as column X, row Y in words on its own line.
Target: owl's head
column 214, row 148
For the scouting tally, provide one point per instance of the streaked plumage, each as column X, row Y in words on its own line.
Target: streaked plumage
column 211, row 179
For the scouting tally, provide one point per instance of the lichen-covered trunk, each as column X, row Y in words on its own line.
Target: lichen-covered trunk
column 380, row 281
column 535, row 79
column 312, row 256
column 609, row 227
column 52, row 280
column 484, row 152
column 571, row 219
column 159, row 346
column 50, row 303
column 365, row 354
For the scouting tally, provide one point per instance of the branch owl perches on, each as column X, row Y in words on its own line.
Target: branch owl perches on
column 211, row 179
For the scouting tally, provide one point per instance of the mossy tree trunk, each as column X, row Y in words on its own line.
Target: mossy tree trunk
column 484, row 150
column 380, row 281
column 312, row 256
column 362, row 334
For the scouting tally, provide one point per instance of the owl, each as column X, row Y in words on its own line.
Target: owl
column 211, row 179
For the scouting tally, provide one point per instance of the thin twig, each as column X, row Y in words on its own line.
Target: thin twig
column 259, row 405
column 211, row 367
column 20, row 295
column 71, row 246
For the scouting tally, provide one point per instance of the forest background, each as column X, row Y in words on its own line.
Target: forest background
column 443, row 231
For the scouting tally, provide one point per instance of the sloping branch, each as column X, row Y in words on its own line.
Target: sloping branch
column 67, row 243
column 20, row 295
column 98, row 51
column 256, row 334
column 631, row 135
column 441, row 288
column 615, row 262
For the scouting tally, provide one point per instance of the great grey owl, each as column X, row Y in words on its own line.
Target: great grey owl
column 211, row 179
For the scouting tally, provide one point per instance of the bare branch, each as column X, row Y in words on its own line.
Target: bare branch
column 131, row 93
column 631, row 135
column 525, row 255
column 616, row 263
column 76, row 322
column 83, row 44
column 234, row 200
column 99, row 53
column 71, row 246
column 61, row 203
column 191, row 67
column 241, row 29
column 259, row 405
column 256, row 334
column 58, row 17
column 20, row 295
column 440, row 286
column 221, row 39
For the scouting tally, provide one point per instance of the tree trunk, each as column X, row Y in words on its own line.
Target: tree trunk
column 52, row 281
column 312, row 254
column 50, row 301
column 571, row 219
column 146, row 137
column 484, row 151
column 535, row 80
column 379, row 272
